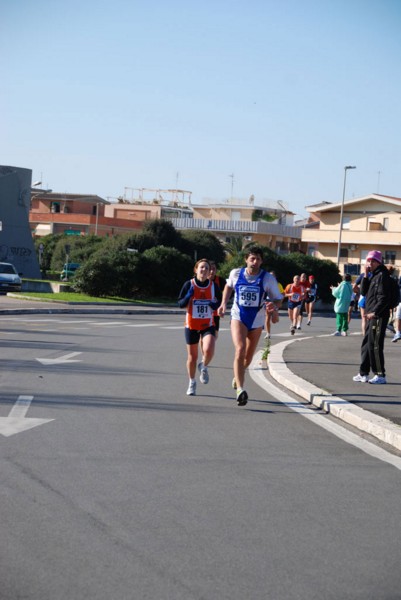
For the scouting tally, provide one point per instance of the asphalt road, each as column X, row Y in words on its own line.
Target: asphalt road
column 135, row 491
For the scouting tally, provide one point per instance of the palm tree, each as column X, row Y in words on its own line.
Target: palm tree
column 236, row 246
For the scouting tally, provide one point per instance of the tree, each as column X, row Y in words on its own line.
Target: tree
column 203, row 244
column 109, row 274
column 81, row 248
column 162, row 271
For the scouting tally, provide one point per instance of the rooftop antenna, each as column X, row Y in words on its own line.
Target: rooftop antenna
column 176, row 185
column 232, row 185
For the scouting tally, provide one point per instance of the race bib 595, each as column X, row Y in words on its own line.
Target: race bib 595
column 249, row 295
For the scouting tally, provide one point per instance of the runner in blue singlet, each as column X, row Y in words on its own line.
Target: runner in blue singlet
column 251, row 285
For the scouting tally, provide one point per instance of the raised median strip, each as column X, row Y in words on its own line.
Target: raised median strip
column 362, row 419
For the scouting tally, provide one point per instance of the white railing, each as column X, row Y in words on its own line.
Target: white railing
column 245, row 227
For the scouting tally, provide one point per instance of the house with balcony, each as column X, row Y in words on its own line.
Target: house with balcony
column 267, row 223
column 370, row 222
column 76, row 214
column 144, row 204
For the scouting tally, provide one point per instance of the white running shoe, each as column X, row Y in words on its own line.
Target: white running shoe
column 377, row 379
column 204, row 375
column 336, row 333
column 397, row 337
column 298, row 326
column 361, row 378
column 309, row 322
column 191, row 391
column 344, row 333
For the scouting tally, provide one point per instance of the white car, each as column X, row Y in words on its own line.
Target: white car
column 10, row 281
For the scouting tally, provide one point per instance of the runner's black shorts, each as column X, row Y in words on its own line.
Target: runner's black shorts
column 192, row 336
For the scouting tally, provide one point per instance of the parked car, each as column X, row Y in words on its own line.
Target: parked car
column 10, row 281
column 69, row 271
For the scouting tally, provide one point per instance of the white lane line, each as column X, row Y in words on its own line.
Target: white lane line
column 257, row 374
column 144, row 325
column 101, row 323
column 21, row 320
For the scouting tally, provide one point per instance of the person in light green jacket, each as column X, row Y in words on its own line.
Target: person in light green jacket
column 343, row 294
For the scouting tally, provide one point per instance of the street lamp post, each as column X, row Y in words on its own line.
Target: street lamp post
column 97, row 216
column 341, row 215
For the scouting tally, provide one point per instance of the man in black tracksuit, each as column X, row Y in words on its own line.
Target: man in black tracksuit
column 376, row 289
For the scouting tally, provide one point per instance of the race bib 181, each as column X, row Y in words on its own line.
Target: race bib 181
column 201, row 309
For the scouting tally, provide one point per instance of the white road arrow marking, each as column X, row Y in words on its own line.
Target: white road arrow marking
column 59, row 361
column 16, row 420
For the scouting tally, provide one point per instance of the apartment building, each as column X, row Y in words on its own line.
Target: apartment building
column 369, row 222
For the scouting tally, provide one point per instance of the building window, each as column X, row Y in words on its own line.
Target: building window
column 346, row 222
column 352, row 269
column 385, row 223
column 344, row 252
column 389, row 257
column 374, row 225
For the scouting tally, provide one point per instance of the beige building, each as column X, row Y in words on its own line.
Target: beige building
column 246, row 219
column 369, row 223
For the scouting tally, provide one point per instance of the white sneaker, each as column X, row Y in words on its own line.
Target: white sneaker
column 361, row 378
column 336, row 333
column 377, row 379
column 309, row 322
column 267, row 336
column 397, row 337
column 344, row 333
column 298, row 326
column 204, row 375
column 191, row 391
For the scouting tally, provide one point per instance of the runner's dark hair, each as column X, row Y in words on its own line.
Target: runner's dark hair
column 257, row 250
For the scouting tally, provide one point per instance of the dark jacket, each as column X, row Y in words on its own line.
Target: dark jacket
column 377, row 292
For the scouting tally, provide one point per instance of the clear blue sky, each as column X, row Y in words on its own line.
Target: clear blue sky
column 97, row 96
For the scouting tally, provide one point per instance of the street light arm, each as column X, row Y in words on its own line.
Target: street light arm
column 341, row 215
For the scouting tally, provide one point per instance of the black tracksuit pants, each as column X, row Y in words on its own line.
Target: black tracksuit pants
column 372, row 354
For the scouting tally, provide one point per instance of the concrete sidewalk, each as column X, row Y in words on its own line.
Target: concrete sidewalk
column 320, row 369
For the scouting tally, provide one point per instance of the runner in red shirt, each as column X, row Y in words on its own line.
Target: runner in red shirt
column 294, row 293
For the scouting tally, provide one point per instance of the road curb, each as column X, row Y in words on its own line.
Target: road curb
column 362, row 419
column 80, row 311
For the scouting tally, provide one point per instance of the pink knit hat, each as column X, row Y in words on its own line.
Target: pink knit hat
column 375, row 255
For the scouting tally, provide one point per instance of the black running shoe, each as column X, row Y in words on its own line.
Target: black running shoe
column 242, row 398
